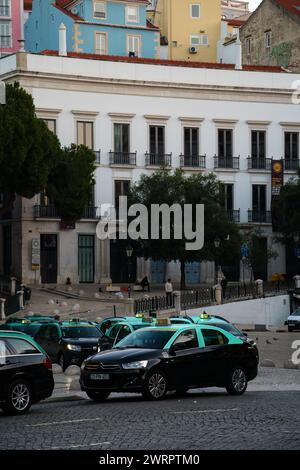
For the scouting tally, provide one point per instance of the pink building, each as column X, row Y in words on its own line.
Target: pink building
column 12, row 17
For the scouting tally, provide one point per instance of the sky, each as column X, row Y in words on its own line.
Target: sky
column 254, row 4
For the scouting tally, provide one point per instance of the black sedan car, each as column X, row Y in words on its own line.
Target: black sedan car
column 175, row 357
column 69, row 342
column 25, row 373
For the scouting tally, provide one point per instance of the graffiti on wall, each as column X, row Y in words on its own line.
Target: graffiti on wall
column 283, row 54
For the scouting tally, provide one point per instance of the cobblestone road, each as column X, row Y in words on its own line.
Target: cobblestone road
column 257, row 420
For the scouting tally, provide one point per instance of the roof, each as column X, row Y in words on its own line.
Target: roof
column 236, row 22
column 172, row 63
column 293, row 6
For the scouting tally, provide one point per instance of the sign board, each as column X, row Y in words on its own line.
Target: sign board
column 277, row 185
column 35, row 254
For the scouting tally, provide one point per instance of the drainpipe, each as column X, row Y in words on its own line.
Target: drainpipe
column 238, row 54
column 62, row 40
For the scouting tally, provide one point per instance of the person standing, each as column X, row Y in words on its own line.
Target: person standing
column 169, row 292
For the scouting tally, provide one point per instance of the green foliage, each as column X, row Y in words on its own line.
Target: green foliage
column 289, row 210
column 71, row 181
column 258, row 256
column 28, row 150
column 164, row 187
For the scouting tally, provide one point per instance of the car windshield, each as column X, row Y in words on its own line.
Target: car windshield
column 296, row 313
column 138, row 327
column 228, row 327
column 146, row 339
column 80, row 332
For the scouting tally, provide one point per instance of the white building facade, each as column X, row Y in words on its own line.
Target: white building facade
column 138, row 116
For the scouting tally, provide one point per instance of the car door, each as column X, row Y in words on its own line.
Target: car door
column 183, row 359
column 7, row 367
column 213, row 356
column 107, row 341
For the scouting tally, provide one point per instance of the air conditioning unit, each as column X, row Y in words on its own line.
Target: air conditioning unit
column 193, row 50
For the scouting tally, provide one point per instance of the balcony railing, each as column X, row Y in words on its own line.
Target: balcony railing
column 122, row 158
column 45, row 212
column 97, row 156
column 291, row 164
column 193, row 161
column 158, row 159
column 91, row 213
column 227, row 162
column 259, row 163
column 261, row 217
column 234, row 216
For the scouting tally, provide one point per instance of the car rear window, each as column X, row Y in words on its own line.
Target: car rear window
column 21, row 346
column 214, row 338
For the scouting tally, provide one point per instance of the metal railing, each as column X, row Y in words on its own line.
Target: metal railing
column 193, row 161
column 234, row 216
column 227, row 162
column 122, row 158
column 158, row 159
column 153, row 303
column 291, row 164
column 198, row 297
column 91, row 213
column 45, row 212
column 262, row 217
column 256, row 163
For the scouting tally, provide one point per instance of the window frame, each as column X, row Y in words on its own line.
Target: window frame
column 192, row 5
column 105, row 34
column 14, row 351
column 221, row 333
column 129, row 37
column 8, row 6
column 8, row 36
column 127, row 8
column 268, row 39
column 85, row 123
column 97, row 2
column 180, row 334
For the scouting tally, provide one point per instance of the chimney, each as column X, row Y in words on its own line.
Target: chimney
column 238, row 53
column 62, row 40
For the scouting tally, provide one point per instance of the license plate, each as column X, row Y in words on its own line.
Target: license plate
column 99, row 376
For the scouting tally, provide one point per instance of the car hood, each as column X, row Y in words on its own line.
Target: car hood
column 82, row 341
column 124, row 355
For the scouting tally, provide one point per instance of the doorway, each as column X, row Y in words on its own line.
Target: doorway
column 86, row 258
column 49, row 258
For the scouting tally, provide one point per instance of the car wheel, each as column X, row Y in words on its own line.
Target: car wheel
column 19, row 398
column 290, row 329
column 156, row 385
column 237, row 383
column 98, row 396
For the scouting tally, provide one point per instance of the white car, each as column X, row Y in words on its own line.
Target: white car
column 293, row 321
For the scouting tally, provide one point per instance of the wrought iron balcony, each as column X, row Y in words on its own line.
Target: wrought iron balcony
column 97, row 156
column 91, row 213
column 158, row 159
column 255, row 163
column 234, row 216
column 45, row 212
column 261, row 217
column 193, row 161
column 291, row 164
column 232, row 163
column 122, row 158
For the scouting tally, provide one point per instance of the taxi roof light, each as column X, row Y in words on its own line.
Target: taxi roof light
column 204, row 316
column 163, row 322
column 139, row 315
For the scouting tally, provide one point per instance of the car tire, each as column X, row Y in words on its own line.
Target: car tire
column 237, row 381
column 290, row 329
column 62, row 361
column 19, row 398
column 156, row 385
column 98, row 396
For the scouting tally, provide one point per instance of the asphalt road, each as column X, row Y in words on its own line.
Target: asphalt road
column 204, row 420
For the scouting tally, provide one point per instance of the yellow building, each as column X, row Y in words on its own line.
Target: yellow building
column 190, row 30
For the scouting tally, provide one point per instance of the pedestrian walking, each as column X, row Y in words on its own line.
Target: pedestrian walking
column 169, row 292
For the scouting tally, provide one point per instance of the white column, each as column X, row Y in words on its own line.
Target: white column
column 62, row 40
column 21, row 299
column 2, row 309
column 22, row 39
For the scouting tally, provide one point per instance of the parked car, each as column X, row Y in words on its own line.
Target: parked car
column 293, row 321
column 69, row 342
column 24, row 326
column 25, row 372
column 120, row 330
column 155, row 360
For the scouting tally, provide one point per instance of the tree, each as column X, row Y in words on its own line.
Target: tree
column 28, row 150
column 164, row 187
column 288, row 210
column 258, row 254
column 71, row 182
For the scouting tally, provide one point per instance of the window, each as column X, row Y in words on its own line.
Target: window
column 195, row 10
column 101, row 43
column 291, row 145
column 20, row 346
column 134, row 45
column 122, row 138
column 258, row 144
column 5, row 34
column 268, row 39
column 191, row 141
column 157, row 140
column 85, row 134
column 132, row 14
column 214, row 338
column 227, row 196
column 121, row 189
column 100, row 10
column 259, row 198
column 186, row 340
column 199, row 40
column 114, row 331
column 248, row 46
column 225, row 149
column 4, row 352
column 174, row 43
column 123, row 332
column 5, row 6
column 51, row 124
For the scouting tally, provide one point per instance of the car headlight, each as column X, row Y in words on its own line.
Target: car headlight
column 73, row 347
column 135, row 365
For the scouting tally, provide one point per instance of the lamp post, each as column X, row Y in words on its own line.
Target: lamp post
column 217, row 243
column 129, row 251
